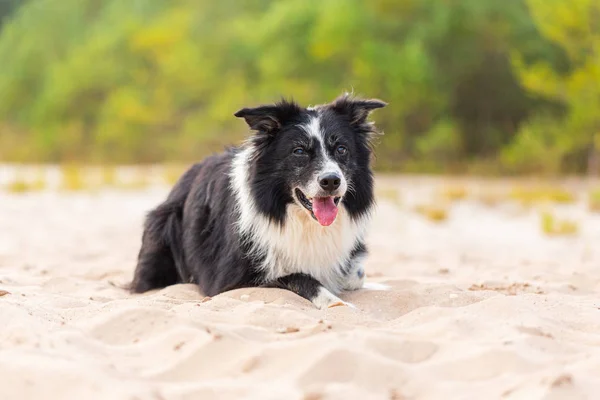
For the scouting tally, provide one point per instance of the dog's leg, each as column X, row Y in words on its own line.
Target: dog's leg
column 353, row 276
column 354, row 273
column 311, row 289
column 355, row 279
column 156, row 267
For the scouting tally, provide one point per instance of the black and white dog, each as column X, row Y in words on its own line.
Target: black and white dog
column 287, row 209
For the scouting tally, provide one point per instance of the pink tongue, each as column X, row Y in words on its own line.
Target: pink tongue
column 325, row 210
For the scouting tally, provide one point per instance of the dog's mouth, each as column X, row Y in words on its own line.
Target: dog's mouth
column 323, row 209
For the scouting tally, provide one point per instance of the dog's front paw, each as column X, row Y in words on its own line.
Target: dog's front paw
column 355, row 278
column 325, row 299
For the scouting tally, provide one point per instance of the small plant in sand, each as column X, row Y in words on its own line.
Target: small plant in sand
column 433, row 212
column 21, row 185
column 531, row 196
column 554, row 227
column 18, row 186
column 72, row 177
column 454, row 193
column 109, row 175
column 594, row 200
column 40, row 180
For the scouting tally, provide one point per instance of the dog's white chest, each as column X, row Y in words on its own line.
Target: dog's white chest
column 302, row 245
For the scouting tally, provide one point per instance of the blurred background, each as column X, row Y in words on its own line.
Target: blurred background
column 474, row 86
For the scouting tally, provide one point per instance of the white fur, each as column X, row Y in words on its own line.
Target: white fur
column 353, row 280
column 326, row 299
column 313, row 128
column 301, row 245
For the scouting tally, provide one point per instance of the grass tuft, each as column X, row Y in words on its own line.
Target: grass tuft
column 454, row 193
column 72, row 177
column 21, row 185
column 553, row 227
column 594, row 200
column 109, row 175
column 531, row 196
column 434, row 213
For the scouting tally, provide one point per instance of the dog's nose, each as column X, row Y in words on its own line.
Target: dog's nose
column 330, row 181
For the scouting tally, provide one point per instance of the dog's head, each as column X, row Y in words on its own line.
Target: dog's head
column 316, row 158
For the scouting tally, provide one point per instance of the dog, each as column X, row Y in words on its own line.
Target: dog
column 289, row 208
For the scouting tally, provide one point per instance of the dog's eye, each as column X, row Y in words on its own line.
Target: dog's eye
column 299, row 151
column 341, row 150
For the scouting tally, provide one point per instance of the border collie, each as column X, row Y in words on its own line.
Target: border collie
column 287, row 209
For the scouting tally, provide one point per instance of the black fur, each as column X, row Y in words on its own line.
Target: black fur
column 359, row 250
column 302, row 284
column 193, row 235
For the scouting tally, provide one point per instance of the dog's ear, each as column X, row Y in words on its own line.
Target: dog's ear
column 270, row 118
column 357, row 110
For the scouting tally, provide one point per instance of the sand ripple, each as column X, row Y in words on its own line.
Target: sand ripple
column 462, row 320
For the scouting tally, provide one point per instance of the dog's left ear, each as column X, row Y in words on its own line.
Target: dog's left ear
column 356, row 109
column 270, row 118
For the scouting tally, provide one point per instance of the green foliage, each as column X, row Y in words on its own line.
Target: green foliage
column 440, row 146
column 538, row 148
column 113, row 81
column 574, row 139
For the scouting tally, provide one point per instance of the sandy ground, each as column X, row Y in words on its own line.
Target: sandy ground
column 483, row 306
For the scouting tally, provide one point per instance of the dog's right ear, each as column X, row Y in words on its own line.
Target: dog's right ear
column 356, row 109
column 270, row 118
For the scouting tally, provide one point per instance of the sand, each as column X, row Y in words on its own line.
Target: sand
column 482, row 306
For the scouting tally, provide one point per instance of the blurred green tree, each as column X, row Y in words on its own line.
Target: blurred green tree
column 569, row 142
column 155, row 80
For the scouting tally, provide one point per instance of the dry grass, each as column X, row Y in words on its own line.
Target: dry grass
column 549, row 194
column 433, row 212
column 109, row 175
column 553, row 227
column 75, row 177
column 72, row 177
column 454, row 193
column 594, row 200
column 22, row 185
